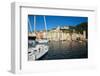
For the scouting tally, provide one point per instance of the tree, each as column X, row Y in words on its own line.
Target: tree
column 82, row 27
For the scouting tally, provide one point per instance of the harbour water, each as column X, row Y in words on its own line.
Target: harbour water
column 66, row 50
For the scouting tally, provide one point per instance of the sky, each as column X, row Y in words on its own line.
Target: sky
column 54, row 21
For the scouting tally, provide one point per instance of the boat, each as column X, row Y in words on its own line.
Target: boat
column 42, row 41
column 36, row 47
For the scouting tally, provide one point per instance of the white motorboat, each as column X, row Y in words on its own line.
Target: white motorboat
column 37, row 47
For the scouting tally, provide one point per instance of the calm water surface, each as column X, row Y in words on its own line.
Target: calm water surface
column 66, row 50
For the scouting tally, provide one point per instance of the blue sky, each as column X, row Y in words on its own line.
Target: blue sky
column 54, row 21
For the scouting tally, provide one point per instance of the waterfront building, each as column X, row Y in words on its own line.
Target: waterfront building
column 58, row 34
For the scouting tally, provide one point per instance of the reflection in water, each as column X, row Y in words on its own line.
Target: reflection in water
column 66, row 50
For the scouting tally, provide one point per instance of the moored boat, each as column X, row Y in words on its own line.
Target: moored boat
column 37, row 47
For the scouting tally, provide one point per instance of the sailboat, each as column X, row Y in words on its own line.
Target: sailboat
column 37, row 47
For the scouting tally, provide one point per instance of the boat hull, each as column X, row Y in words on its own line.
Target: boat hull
column 34, row 53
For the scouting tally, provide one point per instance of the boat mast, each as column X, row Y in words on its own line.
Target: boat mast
column 45, row 24
column 30, row 25
column 34, row 23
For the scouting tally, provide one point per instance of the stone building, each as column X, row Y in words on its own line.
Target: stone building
column 57, row 35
